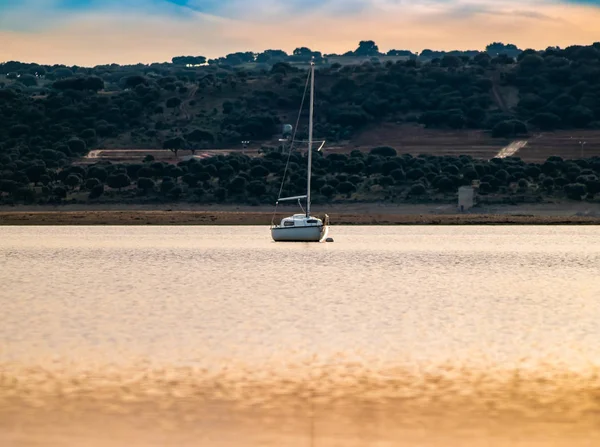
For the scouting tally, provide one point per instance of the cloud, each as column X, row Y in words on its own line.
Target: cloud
column 131, row 31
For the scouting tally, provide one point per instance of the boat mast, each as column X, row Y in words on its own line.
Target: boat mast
column 310, row 133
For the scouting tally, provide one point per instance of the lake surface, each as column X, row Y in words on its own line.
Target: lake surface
column 216, row 336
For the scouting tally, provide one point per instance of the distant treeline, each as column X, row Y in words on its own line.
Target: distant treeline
column 381, row 175
column 366, row 49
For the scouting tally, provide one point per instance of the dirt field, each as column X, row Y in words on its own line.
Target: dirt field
column 479, row 144
column 137, row 155
column 405, row 139
column 565, row 144
column 351, row 214
column 418, row 140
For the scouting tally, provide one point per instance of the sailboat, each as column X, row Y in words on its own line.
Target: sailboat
column 302, row 227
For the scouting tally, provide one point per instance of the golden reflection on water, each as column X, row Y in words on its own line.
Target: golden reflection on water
column 342, row 404
column 218, row 337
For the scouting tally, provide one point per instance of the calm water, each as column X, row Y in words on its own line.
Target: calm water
column 218, row 336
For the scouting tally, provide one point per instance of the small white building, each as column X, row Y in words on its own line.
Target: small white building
column 466, row 198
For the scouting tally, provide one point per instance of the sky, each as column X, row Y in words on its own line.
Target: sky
column 92, row 32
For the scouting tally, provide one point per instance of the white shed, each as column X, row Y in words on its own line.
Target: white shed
column 466, row 198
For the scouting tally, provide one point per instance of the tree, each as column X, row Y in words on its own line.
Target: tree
column 175, row 192
column 302, row 51
column 533, row 171
column 88, row 135
column 282, row 67
column 220, row 194
column 238, row 185
column 60, row 192
column 72, row 181
column 593, row 186
column 35, row 172
column 444, row 184
column 167, row 185
column 98, row 173
column 175, row 172
column 575, row 191
column 257, row 188
column 519, row 127
column 548, row 184
column 25, row 194
column 19, row 130
column 228, row 107
column 418, row 189
column 28, row 80
column 199, row 135
column 386, row 180
column 189, row 60
column 259, row 171
column 415, row 174
column 580, row 116
column 523, row 184
column 92, row 83
column 134, row 81
column 226, row 172
column 133, row 169
column 498, row 48
column 96, row 191
column 486, row 188
column 398, row 175
column 384, row 151
column 145, row 184
column 173, row 102
column 118, row 181
column 77, row 146
column 531, row 63
column 91, row 183
column 546, row 121
column 8, row 186
column 190, row 179
column 503, row 129
column 482, row 59
column 346, row 188
column 450, row 61
column 21, row 178
column 401, row 53
column 174, row 144
column 457, row 121
column 62, row 72
column 328, row 191
column 239, row 58
column 367, row 48
column 305, row 54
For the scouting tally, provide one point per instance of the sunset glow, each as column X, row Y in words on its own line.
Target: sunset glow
column 87, row 32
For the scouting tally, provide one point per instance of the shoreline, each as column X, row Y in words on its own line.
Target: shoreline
column 345, row 214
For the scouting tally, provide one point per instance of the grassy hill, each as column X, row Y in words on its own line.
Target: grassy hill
column 450, row 106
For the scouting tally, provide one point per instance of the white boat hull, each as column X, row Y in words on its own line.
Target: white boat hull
column 298, row 234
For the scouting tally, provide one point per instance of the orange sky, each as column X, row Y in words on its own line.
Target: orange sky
column 96, row 38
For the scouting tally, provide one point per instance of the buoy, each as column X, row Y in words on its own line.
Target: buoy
column 329, row 239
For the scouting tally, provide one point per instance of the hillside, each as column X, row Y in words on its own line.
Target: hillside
column 453, row 105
